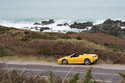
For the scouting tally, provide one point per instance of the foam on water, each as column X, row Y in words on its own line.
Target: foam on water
column 122, row 27
column 53, row 27
column 20, row 25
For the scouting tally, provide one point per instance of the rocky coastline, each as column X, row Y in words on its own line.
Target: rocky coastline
column 111, row 27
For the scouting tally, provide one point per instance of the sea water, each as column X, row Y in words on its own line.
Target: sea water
column 24, row 13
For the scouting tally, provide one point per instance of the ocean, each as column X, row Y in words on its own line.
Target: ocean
column 24, row 13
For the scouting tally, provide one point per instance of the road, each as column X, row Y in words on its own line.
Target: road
column 100, row 72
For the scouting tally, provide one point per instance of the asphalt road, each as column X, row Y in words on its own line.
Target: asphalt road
column 100, row 73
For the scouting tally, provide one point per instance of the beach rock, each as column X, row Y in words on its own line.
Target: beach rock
column 112, row 22
column 48, row 22
column 65, row 24
column 123, row 24
column 59, row 24
column 37, row 23
column 123, row 30
column 44, row 28
column 36, row 28
column 110, row 27
column 102, row 28
column 108, row 21
column 81, row 25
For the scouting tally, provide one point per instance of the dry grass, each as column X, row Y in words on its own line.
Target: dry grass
column 102, row 39
column 41, row 45
column 29, row 58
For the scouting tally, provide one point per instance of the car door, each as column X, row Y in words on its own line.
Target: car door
column 81, row 58
column 74, row 59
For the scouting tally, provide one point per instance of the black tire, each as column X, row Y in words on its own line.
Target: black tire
column 87, row 62
column 64, row 61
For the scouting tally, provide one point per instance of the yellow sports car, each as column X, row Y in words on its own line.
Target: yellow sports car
column 86, row 59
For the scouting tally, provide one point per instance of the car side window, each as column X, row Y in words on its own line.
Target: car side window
column 75, row 55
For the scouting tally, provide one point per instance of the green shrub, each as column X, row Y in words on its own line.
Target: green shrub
column 79, row 38
column 122, row 75
column 75, row 78
column 70, row 32
column 65, row 37
column 26, row 32
column 51, row 77
column 88, row 76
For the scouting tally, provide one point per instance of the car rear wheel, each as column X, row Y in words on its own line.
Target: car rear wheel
column 87, row 62
column 64, row 61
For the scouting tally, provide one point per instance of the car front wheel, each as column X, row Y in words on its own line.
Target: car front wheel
column 87, row 62
column 64, row 61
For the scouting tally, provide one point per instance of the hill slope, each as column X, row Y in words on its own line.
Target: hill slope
column 16, row 42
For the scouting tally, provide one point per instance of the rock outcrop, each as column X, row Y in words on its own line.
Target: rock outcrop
column 65, row 24
column 44, row 28
column 48, row 22
column 81, row 25
column 112, row 22
column 110, row 27
column 37, row 23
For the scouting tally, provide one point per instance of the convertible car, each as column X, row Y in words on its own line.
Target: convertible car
column 86, row 59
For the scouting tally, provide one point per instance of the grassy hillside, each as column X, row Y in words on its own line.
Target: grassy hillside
column 16, row 42
column 109, row 41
